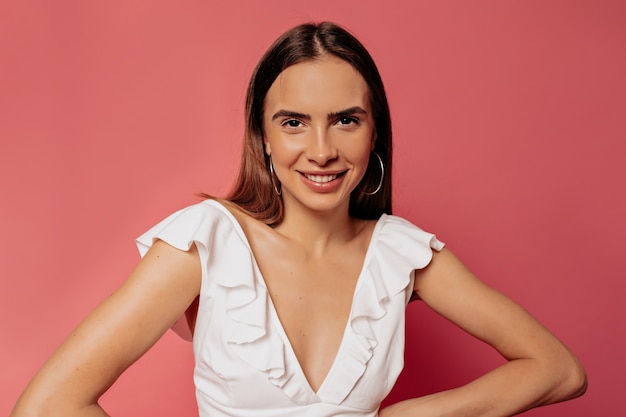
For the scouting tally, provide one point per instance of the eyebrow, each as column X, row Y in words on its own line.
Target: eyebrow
column 288, row 113
column 347, row 112
column 342, row 113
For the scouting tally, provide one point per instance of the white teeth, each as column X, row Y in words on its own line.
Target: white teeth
column 321, row 178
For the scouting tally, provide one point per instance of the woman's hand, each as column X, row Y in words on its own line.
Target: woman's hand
column 114, row 335
column 540, row 369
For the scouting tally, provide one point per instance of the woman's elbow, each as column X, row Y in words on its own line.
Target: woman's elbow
column 577, row 379
column 572, row 379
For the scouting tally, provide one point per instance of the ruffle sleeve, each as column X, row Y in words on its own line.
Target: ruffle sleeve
column 191, row 225
column 398, row 248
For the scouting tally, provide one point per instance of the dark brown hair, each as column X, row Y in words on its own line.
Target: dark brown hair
column 253, row 190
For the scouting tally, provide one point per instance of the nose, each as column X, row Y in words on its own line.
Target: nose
column 321, row 149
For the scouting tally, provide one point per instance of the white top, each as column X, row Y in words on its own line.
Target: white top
column 244, row 363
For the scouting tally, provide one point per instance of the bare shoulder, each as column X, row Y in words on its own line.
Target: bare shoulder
column 444, row 269
column 452, row 290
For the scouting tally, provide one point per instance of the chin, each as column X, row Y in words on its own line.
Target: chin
column 324, row 203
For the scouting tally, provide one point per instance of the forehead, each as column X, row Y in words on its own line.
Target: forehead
column 327, row 84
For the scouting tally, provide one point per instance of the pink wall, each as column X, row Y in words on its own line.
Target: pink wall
column 510, row 125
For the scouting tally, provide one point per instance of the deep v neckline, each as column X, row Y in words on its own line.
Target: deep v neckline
column 274, row 313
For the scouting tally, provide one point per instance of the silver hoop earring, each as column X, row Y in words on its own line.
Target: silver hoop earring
column 382, row 176
column 272, row 176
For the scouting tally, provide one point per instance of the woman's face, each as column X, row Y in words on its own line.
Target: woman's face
column 319, row 132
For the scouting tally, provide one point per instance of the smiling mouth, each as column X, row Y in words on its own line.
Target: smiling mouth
column 322, row 179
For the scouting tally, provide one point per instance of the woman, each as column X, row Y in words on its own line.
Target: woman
column 295, row 286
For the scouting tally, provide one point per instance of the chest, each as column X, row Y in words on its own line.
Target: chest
column 312, row 297
column 242, row 343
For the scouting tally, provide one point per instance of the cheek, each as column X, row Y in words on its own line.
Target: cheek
column 281, row 145
column 361, row 155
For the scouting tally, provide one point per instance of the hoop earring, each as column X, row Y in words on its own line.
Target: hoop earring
column 272, row 175
column 382, row 176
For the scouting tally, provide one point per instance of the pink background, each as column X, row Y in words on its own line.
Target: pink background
column 509, row 122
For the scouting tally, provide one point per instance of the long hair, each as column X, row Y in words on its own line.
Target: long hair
column 253, row 190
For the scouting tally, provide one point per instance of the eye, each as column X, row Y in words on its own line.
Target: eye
column 347, row 121
column 292, row 123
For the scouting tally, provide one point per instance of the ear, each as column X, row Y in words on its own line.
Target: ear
column 266, row 144
column 374, row 137
column 268, row 148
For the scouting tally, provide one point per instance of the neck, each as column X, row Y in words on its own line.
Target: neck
column 316, row 231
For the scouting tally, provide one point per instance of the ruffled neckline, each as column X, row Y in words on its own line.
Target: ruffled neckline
column 258, row 337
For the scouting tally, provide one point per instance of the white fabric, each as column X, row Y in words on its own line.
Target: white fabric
column 245, row 366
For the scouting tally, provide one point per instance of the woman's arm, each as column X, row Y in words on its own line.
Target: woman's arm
column 114, row 335
column 540, row 369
